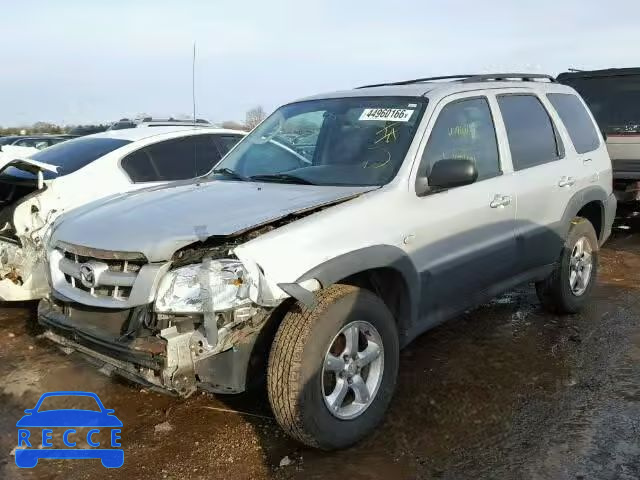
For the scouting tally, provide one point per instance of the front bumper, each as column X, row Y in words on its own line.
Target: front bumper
column 172, row 361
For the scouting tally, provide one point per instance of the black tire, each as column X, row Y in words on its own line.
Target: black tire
column 294, row 376
column 554, row 292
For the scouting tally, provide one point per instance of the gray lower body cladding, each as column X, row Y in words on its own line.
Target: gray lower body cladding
column 167, row 362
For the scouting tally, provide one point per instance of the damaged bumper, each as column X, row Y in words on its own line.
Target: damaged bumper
column 177, row 358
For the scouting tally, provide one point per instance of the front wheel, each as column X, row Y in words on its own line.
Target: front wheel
column 569, row 286
column 332, row 369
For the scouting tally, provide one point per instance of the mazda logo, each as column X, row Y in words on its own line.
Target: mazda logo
column 87, row 276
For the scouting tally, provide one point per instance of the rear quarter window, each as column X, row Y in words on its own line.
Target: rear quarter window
column 576, row 119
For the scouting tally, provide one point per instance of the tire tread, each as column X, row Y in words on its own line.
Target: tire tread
column 285, row 362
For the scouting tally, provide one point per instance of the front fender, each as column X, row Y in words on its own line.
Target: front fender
column 369, row 258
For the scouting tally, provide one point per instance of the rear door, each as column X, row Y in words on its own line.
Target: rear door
column 543, row 176
column 583, row 140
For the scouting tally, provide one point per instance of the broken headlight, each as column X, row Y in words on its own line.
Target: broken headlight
column 210, row 286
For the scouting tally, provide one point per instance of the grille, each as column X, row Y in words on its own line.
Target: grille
column 101, row 277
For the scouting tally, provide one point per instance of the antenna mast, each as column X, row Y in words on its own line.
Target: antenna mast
column 193, row 83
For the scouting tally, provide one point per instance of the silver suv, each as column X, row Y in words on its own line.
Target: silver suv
column 341, row 228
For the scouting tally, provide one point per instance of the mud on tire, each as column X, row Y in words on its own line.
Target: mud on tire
column 295, row 373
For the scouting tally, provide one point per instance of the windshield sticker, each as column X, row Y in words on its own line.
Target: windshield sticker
column 387, row 114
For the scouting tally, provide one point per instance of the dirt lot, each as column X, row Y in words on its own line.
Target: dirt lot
column 506, row 391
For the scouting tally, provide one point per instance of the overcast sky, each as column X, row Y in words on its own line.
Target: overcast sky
column 80, row 61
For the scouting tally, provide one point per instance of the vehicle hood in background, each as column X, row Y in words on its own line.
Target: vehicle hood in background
column 159, row 221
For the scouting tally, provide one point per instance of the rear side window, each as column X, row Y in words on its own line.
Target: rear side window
column 575, row 117
column 177, row 159
column 207, row 153
column 164, row 161
column 532, row 136
column 227, row 142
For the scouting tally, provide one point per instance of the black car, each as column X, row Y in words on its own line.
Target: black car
column 614, row 98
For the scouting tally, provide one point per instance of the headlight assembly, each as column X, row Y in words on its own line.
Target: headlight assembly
column 213, row 285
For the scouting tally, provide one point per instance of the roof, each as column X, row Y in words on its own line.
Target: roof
column 134, row 134
column 453, row 84
column 607, row 72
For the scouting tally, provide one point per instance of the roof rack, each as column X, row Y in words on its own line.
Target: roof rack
column 417, row 80
column 525, row 77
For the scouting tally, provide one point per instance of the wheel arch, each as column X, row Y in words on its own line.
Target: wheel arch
column 384, row 269
column 588, row 203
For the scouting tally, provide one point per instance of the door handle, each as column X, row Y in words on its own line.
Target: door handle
column 566, row 182
column 587, row 160
column 500, row 201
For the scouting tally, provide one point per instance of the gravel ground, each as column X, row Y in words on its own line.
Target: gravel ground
column 506, row 391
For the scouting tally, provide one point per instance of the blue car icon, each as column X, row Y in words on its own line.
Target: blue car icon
column 68, row 419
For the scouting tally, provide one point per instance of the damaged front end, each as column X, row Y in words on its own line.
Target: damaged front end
column 200, row 331
column 164, row 352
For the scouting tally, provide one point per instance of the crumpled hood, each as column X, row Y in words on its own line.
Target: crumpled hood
column 159, row 221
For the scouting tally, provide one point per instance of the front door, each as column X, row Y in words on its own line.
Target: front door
column 464, row 237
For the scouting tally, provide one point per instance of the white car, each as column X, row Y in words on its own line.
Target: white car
column 35, row 191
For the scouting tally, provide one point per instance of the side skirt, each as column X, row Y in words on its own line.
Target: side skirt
column 429, row 320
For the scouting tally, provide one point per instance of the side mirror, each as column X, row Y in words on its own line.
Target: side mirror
column 29, row 411
column 449, row 173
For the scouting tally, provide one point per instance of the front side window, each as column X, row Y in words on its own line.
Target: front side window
column 464, row 130
column 340, row 141
column 532, row 137
column 575, row 117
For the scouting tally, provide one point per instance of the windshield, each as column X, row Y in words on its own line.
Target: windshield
column 341, row 141
column 613, row 100
column 72, row 155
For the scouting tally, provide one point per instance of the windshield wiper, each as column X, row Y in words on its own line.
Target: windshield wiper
column 231, row 173
column 282, row 177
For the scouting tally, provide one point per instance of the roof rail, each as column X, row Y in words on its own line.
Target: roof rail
column 525, row 77
column 417, row 80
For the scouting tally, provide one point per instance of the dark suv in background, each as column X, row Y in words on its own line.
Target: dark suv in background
column 614, row 98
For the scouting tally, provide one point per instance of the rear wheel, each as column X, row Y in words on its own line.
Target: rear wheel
column 569, row 286
column 332, row 369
